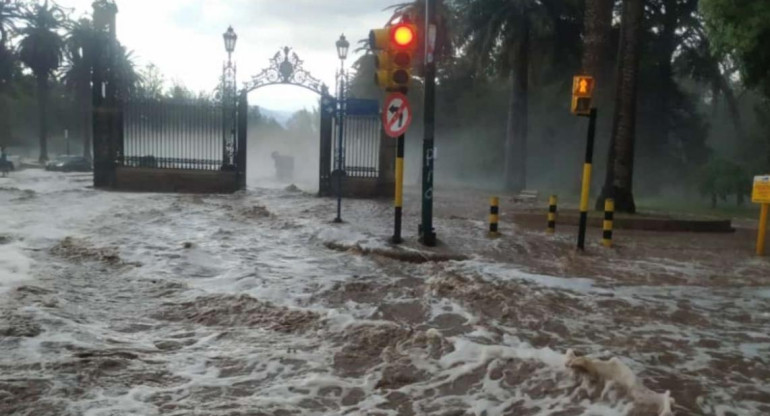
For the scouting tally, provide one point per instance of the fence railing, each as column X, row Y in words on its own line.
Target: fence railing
column 361, row 145
column 173, row 134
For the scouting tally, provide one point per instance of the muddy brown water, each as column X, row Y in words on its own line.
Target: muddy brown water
column 236, row 305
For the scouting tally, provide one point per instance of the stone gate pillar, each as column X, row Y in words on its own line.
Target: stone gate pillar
column 106, row 121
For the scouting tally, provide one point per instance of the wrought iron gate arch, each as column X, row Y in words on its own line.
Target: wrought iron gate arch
column 286, row 68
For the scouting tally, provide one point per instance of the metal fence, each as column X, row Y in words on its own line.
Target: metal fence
column 173, row 134
column 361, row 145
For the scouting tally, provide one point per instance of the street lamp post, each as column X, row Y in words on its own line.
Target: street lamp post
column 228, row 97
column 342, row 52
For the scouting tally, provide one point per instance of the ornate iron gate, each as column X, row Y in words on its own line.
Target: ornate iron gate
column 172, row 134
column 286, row 69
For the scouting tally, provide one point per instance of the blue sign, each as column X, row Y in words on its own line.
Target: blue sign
column 362, row 107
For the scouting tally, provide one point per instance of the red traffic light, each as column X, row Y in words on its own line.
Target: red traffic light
column 403, row 35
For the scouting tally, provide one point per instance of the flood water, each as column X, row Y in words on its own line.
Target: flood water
column 138, row 304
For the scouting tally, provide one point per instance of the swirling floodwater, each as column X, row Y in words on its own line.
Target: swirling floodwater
column 255, row 304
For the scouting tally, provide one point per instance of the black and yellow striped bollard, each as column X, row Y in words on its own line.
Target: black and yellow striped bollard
column 552, row 202
column 609, row 218
column 494, row 216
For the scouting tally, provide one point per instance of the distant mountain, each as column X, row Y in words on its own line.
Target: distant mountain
column 282, row 117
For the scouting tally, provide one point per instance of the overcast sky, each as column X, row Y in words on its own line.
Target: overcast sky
column 184, row 38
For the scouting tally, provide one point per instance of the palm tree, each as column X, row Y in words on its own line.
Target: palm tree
column 127, row 78
column 41, row 51
column 80, row 44
column 9, row 12
column 620, row 164
column 597, row 28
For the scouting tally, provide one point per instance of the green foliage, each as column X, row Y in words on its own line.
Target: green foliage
column 720, row 178
column 742, row 29
column 152, row 83
column 41, row 47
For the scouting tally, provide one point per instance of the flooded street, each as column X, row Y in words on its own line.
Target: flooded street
column 255, row 304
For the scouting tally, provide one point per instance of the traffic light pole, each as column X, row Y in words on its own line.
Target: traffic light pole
column 426, row 230
column 586, row 188
column 399, row 202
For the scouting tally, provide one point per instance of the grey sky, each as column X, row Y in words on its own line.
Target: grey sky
column 184, row 37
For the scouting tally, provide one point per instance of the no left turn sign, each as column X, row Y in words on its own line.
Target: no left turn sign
column 397, row 115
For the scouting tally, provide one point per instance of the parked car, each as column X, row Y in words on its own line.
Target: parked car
column 7, row 166
column 69, row 164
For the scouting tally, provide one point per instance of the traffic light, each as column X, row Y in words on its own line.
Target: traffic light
column 393, row 48
column 582, row 93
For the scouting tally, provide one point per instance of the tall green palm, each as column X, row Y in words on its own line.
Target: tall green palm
column 80, row 43
column 41, row 50
column 500, row 32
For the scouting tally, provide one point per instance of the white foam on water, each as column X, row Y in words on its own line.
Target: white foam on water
column 14, row 266
column 505, row 272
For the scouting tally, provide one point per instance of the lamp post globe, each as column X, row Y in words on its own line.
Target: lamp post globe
column 230, row 38
column 342, row 47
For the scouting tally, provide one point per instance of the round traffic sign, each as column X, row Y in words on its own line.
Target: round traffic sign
column 397, row 115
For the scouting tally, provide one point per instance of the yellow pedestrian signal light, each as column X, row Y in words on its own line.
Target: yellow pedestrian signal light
column 583, row 86
column 582, row 94
column 393, row 48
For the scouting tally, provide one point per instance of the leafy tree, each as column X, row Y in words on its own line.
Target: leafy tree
column 499, row 32
column 152, row 82
column 721, row 178
column 741, row 29
column 41, row 50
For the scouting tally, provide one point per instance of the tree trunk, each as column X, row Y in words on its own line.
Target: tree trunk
column 597, row 26
column 620, row 165
column 597, row 29
column 85, row 108
column 516, row 138
column 42, row 104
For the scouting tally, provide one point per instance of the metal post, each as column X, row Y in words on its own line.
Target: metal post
column 762, row 229
column 225, row 104
column 399, row 190
column 426, row 231
column 586, row 188
column 340, row 152
column 234, row 114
